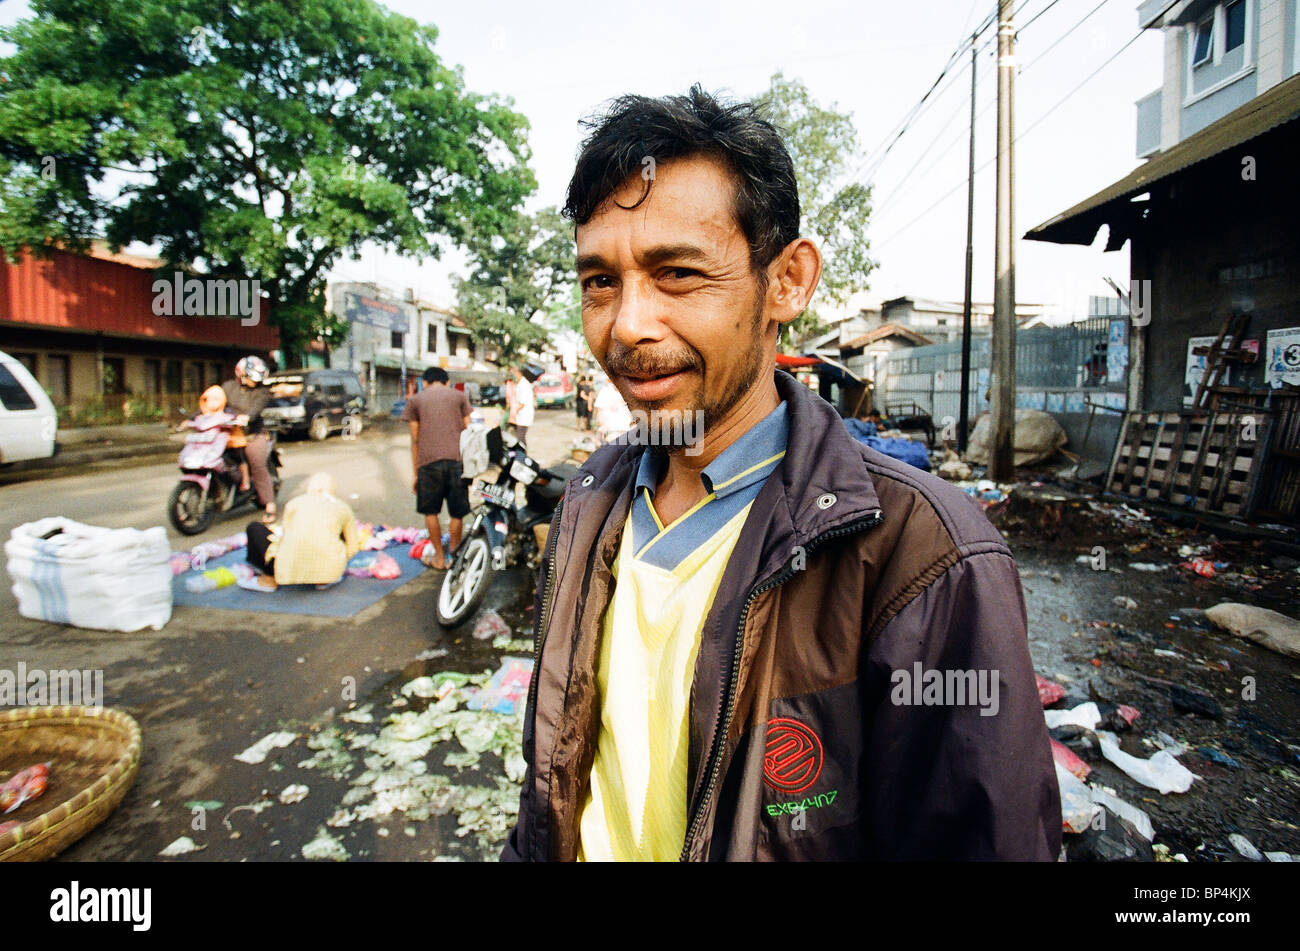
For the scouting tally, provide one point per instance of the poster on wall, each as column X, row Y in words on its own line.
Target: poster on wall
column 1117, row 351
column 1195, row 367
column 1283, row 366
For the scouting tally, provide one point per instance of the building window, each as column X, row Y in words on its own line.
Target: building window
column 432, row 341
column 395, row 339
column 114, row 375
column 1204, row 48
column 193, row 377
column 218, row 371
column 1235, row 27
column 172, row 377
column 153, row 377
column 58, row 378
column 26, row 359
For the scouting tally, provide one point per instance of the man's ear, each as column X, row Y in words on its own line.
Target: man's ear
column 792, row 279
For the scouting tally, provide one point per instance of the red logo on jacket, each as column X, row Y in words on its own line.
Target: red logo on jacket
column 793, row 757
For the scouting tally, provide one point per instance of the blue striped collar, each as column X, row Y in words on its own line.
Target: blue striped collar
column 748, row 460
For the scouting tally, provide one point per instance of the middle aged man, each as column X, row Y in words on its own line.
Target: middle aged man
column 778, row 644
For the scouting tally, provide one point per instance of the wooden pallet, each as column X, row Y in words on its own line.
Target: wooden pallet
column 1210, row 462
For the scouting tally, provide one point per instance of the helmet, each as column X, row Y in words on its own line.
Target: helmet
column 252, row 368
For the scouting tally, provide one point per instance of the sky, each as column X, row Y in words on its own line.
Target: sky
column 559, row 61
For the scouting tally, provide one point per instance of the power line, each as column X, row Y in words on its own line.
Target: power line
column 1037, row 122
column 989, row 105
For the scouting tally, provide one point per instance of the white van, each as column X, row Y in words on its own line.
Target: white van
column 28, row 420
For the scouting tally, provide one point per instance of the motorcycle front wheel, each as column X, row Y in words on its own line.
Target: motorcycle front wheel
column 188, row 509
column 466, row 582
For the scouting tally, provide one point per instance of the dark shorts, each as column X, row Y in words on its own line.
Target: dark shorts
column 438, row 482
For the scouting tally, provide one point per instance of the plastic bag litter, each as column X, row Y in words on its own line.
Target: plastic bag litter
column 507, row 688
column 1085, row 715
column 1077, row 807
column 1065, row 757
column 1048, row 692
column 1140, row 820
column 1271, row 629
column 258, row 751
column 325, row 848
column 489, row 626
column 1161, row 771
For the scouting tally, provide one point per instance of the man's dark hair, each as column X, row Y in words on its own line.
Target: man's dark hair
column 634, row 128
column 436, row 375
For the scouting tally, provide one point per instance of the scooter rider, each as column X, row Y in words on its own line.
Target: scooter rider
column 246, row 397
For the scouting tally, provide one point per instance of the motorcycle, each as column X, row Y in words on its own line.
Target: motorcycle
column 210, row 475
column 502, row 533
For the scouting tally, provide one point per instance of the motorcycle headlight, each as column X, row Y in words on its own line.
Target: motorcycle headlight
column 521, row 472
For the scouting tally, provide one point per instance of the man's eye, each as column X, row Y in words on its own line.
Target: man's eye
column 680, row 273
column 597, row 282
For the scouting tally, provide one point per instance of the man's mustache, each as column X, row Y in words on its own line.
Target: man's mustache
column 644, row 363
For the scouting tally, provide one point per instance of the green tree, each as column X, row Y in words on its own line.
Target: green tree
column 823, row 143
column 522, row 282
column 262, row 140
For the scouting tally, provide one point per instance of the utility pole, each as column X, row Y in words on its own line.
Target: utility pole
column 963, row 421
column 1001, row 453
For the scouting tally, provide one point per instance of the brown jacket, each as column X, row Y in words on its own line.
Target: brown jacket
column 810, row 735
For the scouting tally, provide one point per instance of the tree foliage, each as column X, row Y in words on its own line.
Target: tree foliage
column 522, row 279
column 822, row 143
column 262, row 139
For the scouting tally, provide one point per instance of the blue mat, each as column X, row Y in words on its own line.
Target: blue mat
column 343, row 600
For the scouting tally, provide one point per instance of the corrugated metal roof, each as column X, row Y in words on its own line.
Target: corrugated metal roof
column 1079, row 224
column 887, row 330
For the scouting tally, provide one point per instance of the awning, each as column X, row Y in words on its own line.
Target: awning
column 1111, row 206
column 788, row 360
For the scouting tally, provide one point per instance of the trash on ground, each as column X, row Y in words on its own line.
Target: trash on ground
column 182, row 846
column 491, row 625
column 325, row 848
column 1140, row 820
column 507, row 688
column 1188, row 700
column 294, row 793
column 1244, row 847
column 1077, row 807
column 1067, row 760
column 1085, row 715
column 1161, row 771
column 1048, row 692
column 259, row 750
column 1270, row 629
column 1109, row 838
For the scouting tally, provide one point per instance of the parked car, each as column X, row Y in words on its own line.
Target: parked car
column 554, row 389
column 314, row 402
column 28, row 420
column 490, row 394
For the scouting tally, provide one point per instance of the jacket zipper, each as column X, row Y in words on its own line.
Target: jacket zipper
column 548, row 592
column 724, row 715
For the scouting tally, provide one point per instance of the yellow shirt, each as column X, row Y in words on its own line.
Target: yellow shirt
column 636, row 806
column 317, row 537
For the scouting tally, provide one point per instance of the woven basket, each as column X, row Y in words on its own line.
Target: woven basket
column 101, row 742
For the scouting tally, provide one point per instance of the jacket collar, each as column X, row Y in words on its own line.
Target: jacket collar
column 822, row 480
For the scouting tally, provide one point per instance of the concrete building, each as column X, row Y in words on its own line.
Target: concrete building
column 1210, row 222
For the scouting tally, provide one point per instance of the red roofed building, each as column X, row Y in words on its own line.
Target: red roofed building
column 86, row 327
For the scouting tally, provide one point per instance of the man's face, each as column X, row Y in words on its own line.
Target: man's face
column 670, row 305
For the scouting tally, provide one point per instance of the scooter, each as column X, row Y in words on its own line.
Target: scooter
column 210, row 475
column 502, row 532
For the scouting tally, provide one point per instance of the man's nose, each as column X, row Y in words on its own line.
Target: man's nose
column 639, row 317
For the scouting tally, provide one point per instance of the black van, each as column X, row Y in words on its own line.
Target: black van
column 314, row 402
